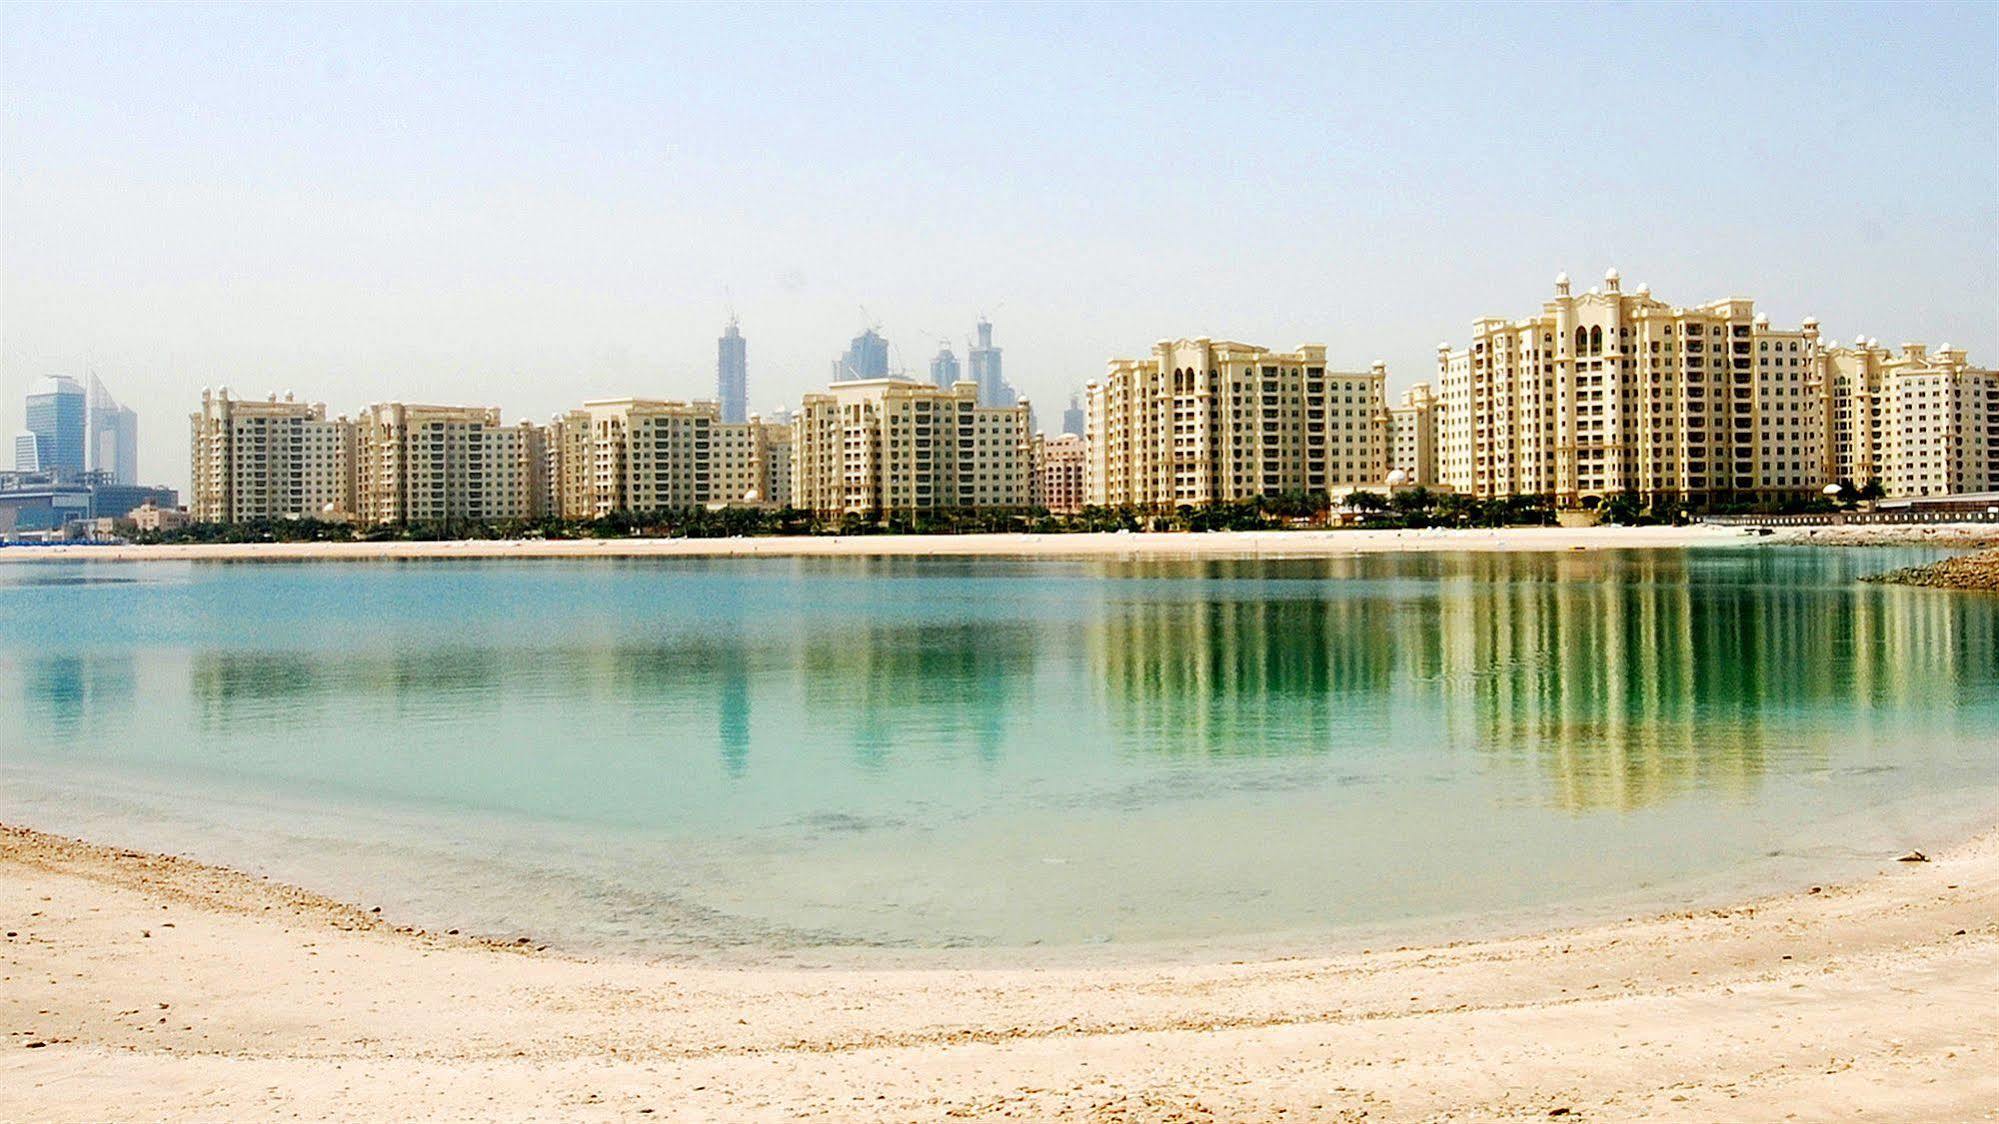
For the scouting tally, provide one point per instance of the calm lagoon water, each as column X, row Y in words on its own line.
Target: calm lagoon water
column 791, row 757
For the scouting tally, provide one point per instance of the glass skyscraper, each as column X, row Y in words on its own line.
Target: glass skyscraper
column 866, row 358
column 984, row 362
column 944, row 370
column 112, row 437
column 732, row 375
column 56, row 412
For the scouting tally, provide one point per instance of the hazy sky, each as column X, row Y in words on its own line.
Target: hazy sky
column 528, row 206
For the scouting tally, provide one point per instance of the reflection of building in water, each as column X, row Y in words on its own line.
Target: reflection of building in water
column 67, row 694
column 732, row 706
column 232, row 688
column 1262, row 673
column 1627, row 678
column 959, row 677
column 1603, row 676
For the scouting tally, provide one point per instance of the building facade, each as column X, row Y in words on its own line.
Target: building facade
column 1611, row 392
column 651, row 454
column 1918, row 423
column 268, row 459
column 894, row 446
column 1411, row 438
column 1203, row 421
column 444, row 464
column 1059, row 468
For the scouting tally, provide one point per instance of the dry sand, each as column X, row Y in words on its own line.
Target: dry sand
column 137, row 987
column 1220, row 544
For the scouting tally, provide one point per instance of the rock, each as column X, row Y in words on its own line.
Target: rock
column 1965, row 571
column 1914, row 857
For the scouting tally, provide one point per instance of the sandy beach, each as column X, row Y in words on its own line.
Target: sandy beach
column 140, row 986
column 1220, row 544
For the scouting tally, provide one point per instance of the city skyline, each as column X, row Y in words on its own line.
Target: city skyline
column 372, row 244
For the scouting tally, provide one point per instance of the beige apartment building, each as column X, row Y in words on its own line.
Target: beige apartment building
column 650, row 454
column 1058, row 473
column 1411, row 438
column 268, row 459
column 898, row 446
column 1921, row 423
column 437, row 464
column 1205, row 420
column 1612, row 392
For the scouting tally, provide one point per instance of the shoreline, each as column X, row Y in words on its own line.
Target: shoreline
column 1160, row 544
column 1869, row 997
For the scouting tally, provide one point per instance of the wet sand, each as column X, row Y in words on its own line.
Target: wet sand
column 134, row 985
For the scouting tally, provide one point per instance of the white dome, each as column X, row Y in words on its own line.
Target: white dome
column 1561, row 279
column 752, row 496
column 1398, row 477
column 1610, row 275
column 1943, row 347
column 1644, row 290
column 1830, row 490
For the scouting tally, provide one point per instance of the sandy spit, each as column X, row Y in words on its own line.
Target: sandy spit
column 1223, row 544
column 139, row 986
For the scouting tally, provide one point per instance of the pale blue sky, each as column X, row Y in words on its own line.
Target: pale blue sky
column 527, row 206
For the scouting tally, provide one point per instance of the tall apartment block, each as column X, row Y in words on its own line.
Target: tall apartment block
column 1612, row 392
column 436, row 464
column 649, row 454
column 1921, row 423
column 1609, row 392
column 268, row 459
column 899, row 446
column 1206, row 420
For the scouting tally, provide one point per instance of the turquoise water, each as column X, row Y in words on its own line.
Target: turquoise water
column 791, row 757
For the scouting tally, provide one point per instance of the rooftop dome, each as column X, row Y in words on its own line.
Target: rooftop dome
column 1398, row 477
column 1610, row 275
column 1561, row 279
column 1644, row 290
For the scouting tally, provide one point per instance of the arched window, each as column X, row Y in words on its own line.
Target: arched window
column 1582, row 340
column 1596, row 341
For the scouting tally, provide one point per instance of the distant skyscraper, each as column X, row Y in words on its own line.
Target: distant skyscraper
column 866, row 358
column 732, row 375
column 56, row 418
column 984, row 362
column 1072, row 418
column 27, row 452
column 112, row 436
column 944, row 370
